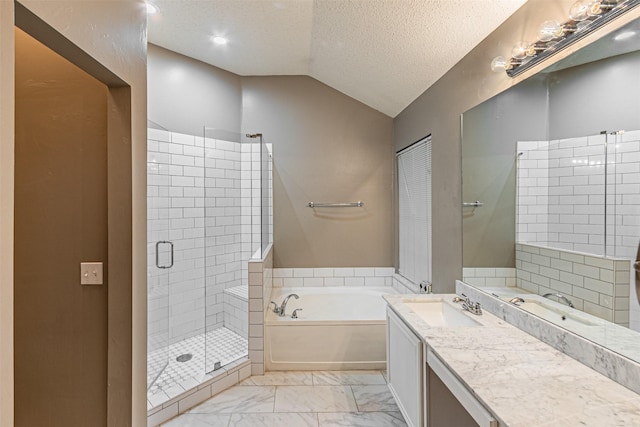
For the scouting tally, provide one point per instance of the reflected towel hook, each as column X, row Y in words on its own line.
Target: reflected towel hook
column 475, row 204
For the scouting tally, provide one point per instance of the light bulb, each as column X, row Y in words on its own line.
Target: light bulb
column 579, row 11
column 498, row 64
column 549, row 30
column 595, row 8
column 520, row 50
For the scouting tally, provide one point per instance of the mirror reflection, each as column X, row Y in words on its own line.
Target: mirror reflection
column 554, row 163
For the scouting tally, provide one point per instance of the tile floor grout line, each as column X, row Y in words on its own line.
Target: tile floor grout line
column 354, row 399
column 275, row 395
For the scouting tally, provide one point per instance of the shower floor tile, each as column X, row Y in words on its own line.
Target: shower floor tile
column 223, row 346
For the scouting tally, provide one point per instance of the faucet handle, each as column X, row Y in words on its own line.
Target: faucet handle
column 276, row 307
column 294, row 315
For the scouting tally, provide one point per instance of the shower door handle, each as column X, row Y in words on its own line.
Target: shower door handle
column 636, row 267
column 161, row 242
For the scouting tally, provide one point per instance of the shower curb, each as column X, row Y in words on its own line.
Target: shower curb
column 221, row 380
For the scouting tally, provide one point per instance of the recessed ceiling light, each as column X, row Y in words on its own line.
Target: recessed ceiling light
column 151, row 9
column 219, row 40
column 625, row 35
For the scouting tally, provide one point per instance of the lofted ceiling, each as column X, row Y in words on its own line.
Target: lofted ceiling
column 384, row 53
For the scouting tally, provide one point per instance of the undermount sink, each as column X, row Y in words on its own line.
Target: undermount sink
column 439, row 313
column 553, row 314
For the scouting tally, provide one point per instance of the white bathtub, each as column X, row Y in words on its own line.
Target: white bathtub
column 339, row 328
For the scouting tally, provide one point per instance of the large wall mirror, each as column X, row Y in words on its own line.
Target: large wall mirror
column 551, row 192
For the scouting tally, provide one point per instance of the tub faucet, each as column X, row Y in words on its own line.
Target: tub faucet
column 426, row 287
column 276, row 307
column 561, row 297
column 284, row 304
column 516, row 300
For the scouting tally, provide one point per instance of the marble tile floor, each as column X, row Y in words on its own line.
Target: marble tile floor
column 299, row 399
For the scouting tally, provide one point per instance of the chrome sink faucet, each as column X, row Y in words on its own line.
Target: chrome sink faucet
column 280, row 309
column 559, row 296
column 467, row 304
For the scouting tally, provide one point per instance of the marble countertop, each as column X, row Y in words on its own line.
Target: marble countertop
column 519, row 379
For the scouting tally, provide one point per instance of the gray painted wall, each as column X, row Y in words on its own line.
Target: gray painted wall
column 490, row 132
column 328, row 147
column 603, row 95
column 577, row 101
column 437, row 111
column 61, row 219
column 184, row 94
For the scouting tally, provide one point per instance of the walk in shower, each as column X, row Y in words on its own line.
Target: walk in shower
column 580, row 193
column 578, row 200
column 209, row 212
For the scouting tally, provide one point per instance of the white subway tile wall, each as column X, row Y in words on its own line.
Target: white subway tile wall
column 194, row 202
column 256, row 199
column 532, row 191
column 339, row 276
column 596, row 285
column 204, row 196
column 260, row 284
column 561, row 198
column 236, row 310
column 561, row 193
column 404, row 285
column 489, row 277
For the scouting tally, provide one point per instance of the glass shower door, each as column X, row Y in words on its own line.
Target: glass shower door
column 175, row 264
column 158, row 266
column 623, row 224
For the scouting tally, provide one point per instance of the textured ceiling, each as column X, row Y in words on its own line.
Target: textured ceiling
column 384, row 53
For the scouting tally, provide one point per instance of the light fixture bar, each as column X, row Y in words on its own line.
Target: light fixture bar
column 572, row 37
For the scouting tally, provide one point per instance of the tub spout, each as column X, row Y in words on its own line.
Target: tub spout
column 560, row 297
column 284, row 304
column 516, row 300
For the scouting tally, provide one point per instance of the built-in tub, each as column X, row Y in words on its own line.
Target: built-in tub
column 338, row 328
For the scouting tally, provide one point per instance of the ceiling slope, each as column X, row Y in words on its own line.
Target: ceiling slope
column 384, row 53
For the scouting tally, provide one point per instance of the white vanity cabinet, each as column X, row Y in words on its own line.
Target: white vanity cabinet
column 426, row 391
column 404, row 369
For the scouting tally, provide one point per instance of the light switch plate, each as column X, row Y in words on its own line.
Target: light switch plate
column 91, row 273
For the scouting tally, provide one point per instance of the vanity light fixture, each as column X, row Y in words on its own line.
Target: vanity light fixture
column 585, row 16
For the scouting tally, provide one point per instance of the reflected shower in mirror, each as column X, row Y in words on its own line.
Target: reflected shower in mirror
column 559, row 186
